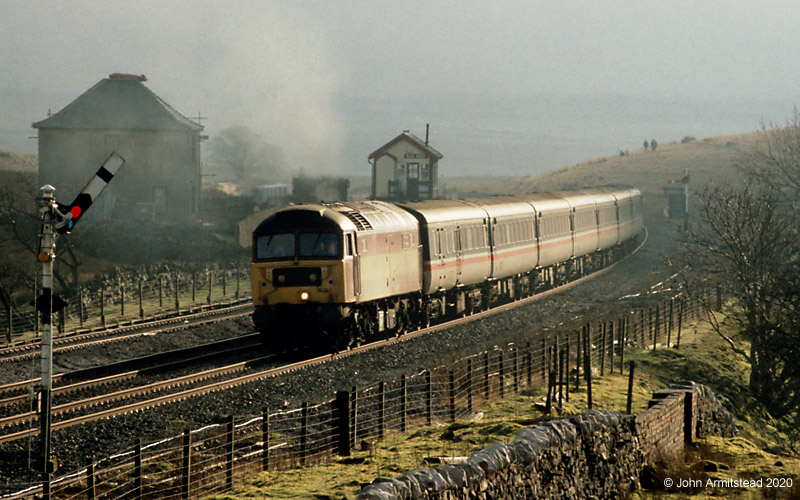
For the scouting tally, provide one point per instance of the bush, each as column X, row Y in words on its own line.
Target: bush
column 687, row 139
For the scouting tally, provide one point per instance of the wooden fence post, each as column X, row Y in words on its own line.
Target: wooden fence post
column 342, row 408
column 265, row 439
column 529, row 364
column 208, row 297
column 186, row 470
column 603, row 346
column 428, row 398
column 403, row 402
column 303, row 434
column 137, row 469
column 452, row 387
column 629, row 406
column 486, row 375
column 680, row 322
column 229, row 431
column 141, row 301
column 578, row 349
column 613, row 334
column 623, row 342
column 560, row 378
column 544, row 359
column 669, row 323
column 566, row 367
column 102, row 306
column 81, row 307
column 469, row 385
column 91, row 492
column 177, row 293
column 381, row 408
column 587, row 356
column 501, row 375
column 354, row 413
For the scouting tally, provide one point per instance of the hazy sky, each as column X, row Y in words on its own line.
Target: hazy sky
column 330, row 81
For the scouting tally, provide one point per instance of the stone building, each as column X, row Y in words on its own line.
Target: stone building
column 405, row 168
column 161, row 176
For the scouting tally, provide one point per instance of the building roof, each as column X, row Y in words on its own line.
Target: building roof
column 413, row 139
column 120, row 101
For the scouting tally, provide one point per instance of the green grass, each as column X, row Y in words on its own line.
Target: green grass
column 761, row 450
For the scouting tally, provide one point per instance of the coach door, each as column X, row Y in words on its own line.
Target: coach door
column 488, row 229
column 459, row 253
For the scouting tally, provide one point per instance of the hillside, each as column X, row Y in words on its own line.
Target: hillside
column 14, row 162
column 709, row 159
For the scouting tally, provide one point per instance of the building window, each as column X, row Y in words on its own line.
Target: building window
column 413, row 170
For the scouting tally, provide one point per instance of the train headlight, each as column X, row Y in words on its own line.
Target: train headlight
column 303, row 295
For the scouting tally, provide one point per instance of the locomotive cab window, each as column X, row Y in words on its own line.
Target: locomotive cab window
column 275, row 246
column 319, row 245
column 348, row 245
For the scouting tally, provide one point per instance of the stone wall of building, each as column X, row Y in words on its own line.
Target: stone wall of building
column 595, row 454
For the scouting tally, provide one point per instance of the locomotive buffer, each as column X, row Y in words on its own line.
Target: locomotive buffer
column 47, row 303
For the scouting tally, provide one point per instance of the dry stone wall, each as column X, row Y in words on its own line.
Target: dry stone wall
column 595, row 454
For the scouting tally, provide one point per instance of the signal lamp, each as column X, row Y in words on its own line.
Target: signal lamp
column 303, row 295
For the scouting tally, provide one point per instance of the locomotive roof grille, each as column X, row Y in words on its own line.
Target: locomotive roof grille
column 362, row 224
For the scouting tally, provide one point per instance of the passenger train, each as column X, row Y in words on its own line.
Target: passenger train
column 342, row 273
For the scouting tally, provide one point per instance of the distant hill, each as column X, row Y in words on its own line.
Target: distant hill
column 10, row 161
column 708, row 160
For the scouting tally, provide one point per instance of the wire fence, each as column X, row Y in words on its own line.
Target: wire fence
column 131, row 298
column 211, row 459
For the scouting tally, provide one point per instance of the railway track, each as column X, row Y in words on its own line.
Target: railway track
column 25, row 351
column 208, row 381
column 76, row 403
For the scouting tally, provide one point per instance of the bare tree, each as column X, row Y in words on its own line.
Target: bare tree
column 247, row 153
column 746, row 238
column 20, row 223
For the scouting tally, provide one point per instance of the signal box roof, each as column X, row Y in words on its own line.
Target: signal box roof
column 119, row 102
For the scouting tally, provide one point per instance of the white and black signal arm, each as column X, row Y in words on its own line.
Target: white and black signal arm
column 72, row 213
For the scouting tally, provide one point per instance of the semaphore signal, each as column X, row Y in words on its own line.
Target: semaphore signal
column 47, row 303
column 72, row 213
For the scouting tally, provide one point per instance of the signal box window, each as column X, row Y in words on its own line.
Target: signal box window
column 323, row 245
column 275, row 246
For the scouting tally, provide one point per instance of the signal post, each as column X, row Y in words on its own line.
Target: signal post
column 56, row 222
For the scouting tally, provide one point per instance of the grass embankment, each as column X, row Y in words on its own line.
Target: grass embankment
column 759, row 452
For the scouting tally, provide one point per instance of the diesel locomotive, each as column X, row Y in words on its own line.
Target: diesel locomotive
column 342, row 273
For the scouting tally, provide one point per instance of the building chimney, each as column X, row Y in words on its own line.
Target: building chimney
column 427, row 132
column 127, row 76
